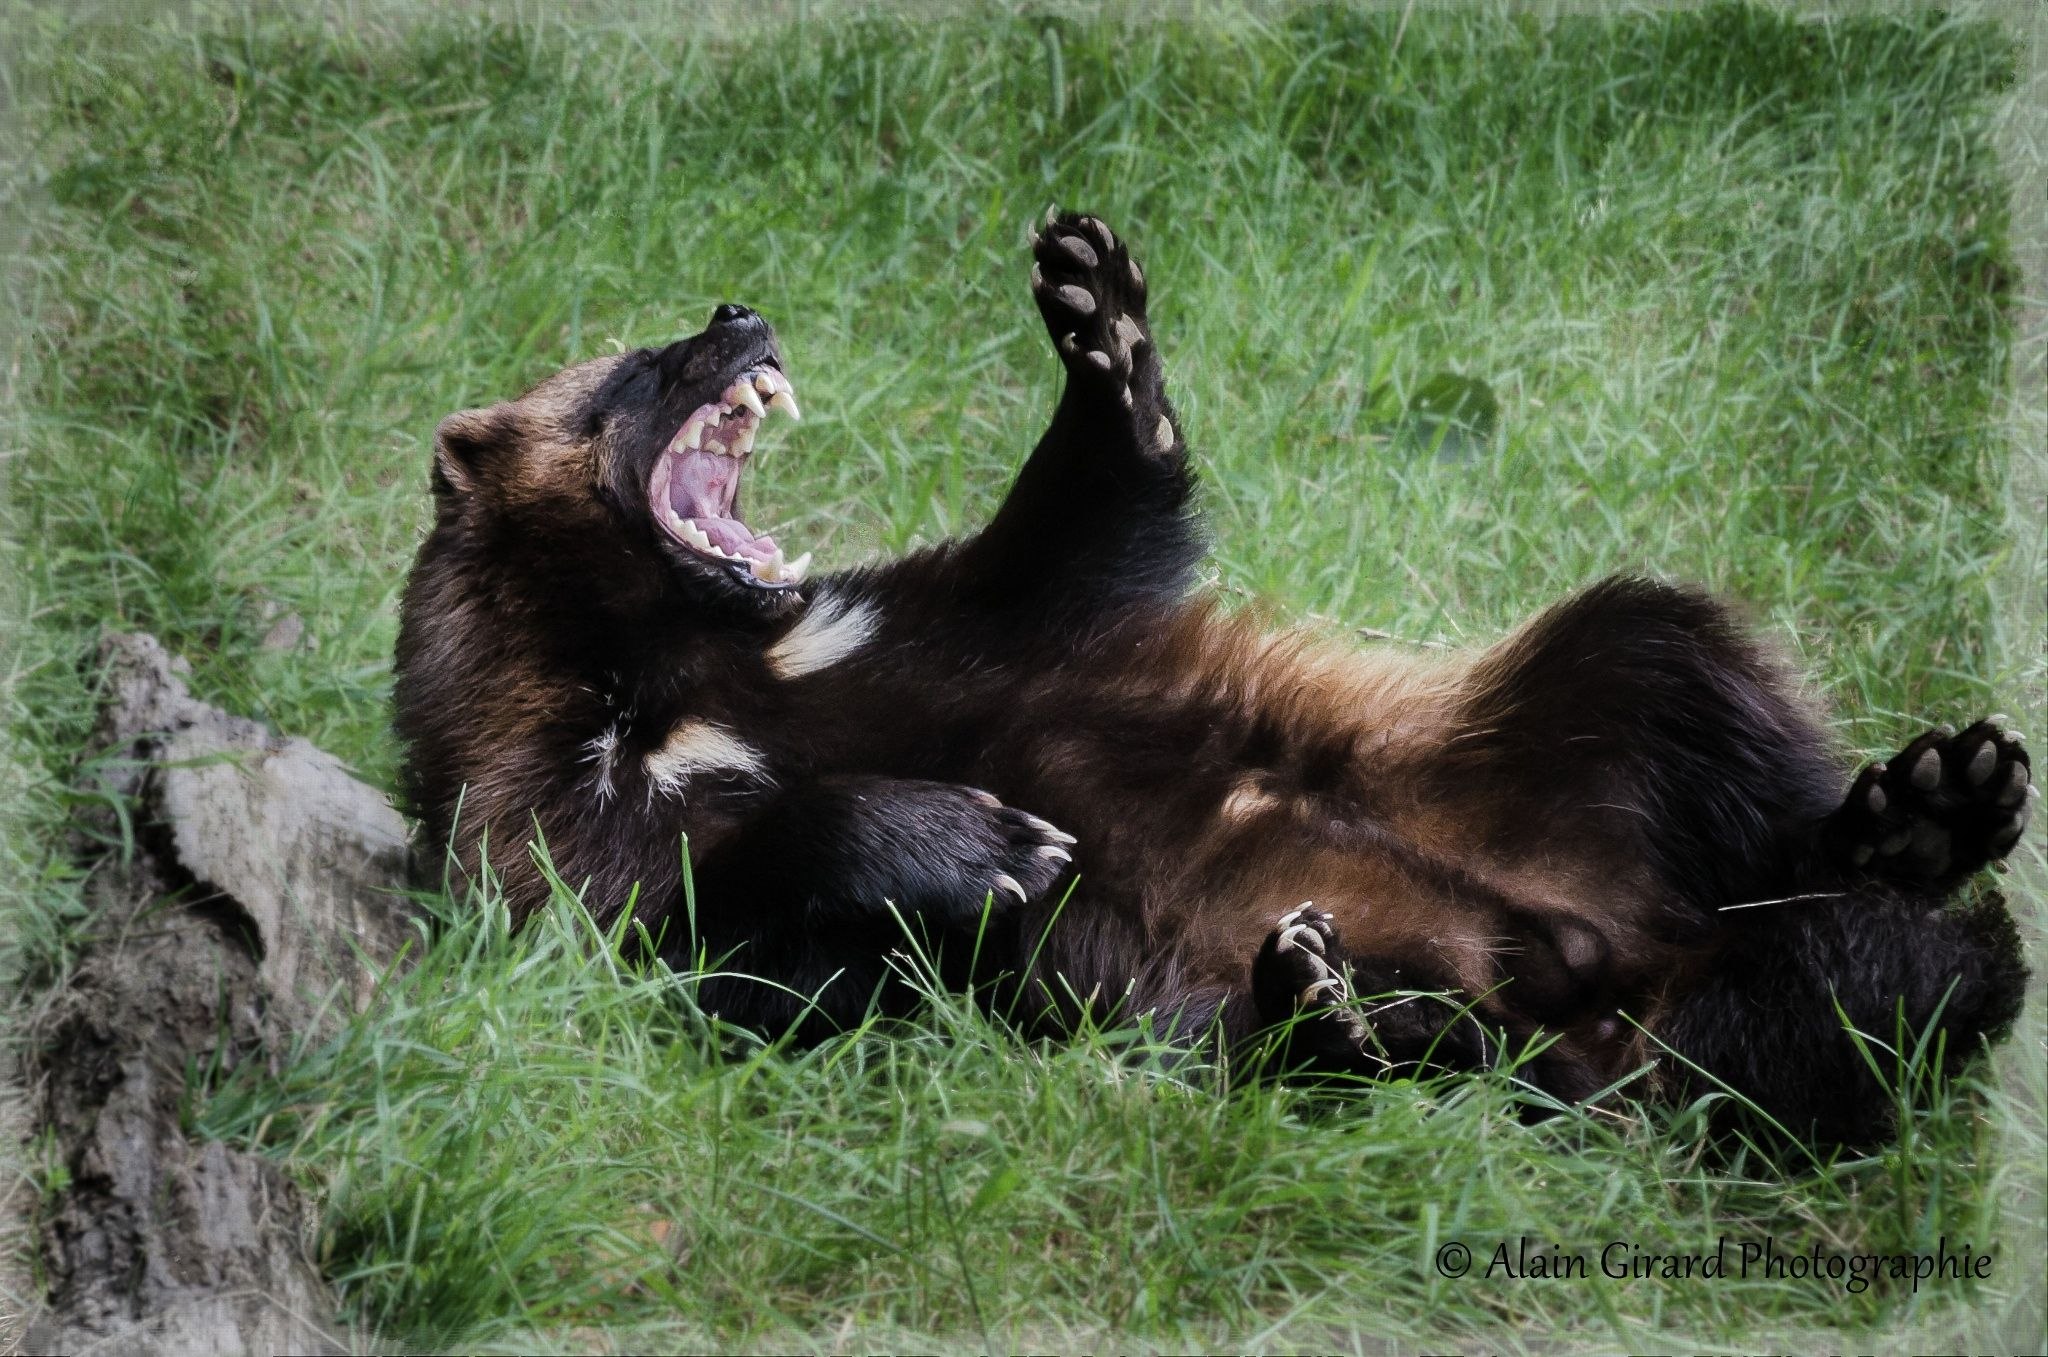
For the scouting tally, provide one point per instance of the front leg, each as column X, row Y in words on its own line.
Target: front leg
column 1101, row 512
column 1303, row 988
column 811, row 896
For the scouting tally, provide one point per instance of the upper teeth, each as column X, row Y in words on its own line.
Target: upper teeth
column 742, row 398
column 745, row 394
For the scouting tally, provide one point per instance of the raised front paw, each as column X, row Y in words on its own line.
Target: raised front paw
column 1092, row 295
column 1943, row 807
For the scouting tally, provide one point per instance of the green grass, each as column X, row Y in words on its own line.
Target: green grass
column 1741, row 285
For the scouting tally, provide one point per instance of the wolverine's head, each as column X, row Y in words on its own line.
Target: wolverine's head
column 629, row 466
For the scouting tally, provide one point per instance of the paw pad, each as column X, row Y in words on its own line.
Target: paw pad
column 1079, row 299
column 1946, row 805
column 1092, row 295
column 1079, row 251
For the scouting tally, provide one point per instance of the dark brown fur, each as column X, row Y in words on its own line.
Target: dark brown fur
column 1553, row 831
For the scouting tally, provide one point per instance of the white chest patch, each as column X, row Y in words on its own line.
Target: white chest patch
column 700, row 749
column 832, row 630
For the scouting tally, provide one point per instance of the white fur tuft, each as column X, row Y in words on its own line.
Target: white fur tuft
column 699, row 747
column 832, row 630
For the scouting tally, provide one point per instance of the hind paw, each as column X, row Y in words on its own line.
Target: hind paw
column 1946, row 805
column 1092, row 296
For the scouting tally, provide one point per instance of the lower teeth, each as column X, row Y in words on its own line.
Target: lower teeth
column 773, row 570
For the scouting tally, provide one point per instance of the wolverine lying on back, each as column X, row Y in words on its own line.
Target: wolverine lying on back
column 1620, row 831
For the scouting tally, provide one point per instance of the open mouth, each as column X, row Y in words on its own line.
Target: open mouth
column 694, row 491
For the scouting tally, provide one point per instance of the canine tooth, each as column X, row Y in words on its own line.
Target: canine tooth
column 794, row 570
column 786, row 403
column 744, row 394
column 770, row 570
column 693, row 435
column 1079, row 298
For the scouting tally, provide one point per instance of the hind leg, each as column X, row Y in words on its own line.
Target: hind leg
column 1878, row 952
column 1641, row 721
column 1767, row 1014
column 1639, row 727
column 1642, row 726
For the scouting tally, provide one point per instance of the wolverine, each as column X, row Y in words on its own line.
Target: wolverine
column 1615, row 848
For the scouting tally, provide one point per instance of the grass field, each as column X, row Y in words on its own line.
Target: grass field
column 1742, row 288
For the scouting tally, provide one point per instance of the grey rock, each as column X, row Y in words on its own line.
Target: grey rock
column 259, row 898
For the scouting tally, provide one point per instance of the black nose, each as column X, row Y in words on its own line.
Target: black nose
column 728, row 314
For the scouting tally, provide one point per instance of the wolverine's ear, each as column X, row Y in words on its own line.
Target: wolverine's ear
column 466, row 442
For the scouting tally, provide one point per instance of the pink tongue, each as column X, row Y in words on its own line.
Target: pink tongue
column 732, row 535
column 702, row 485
